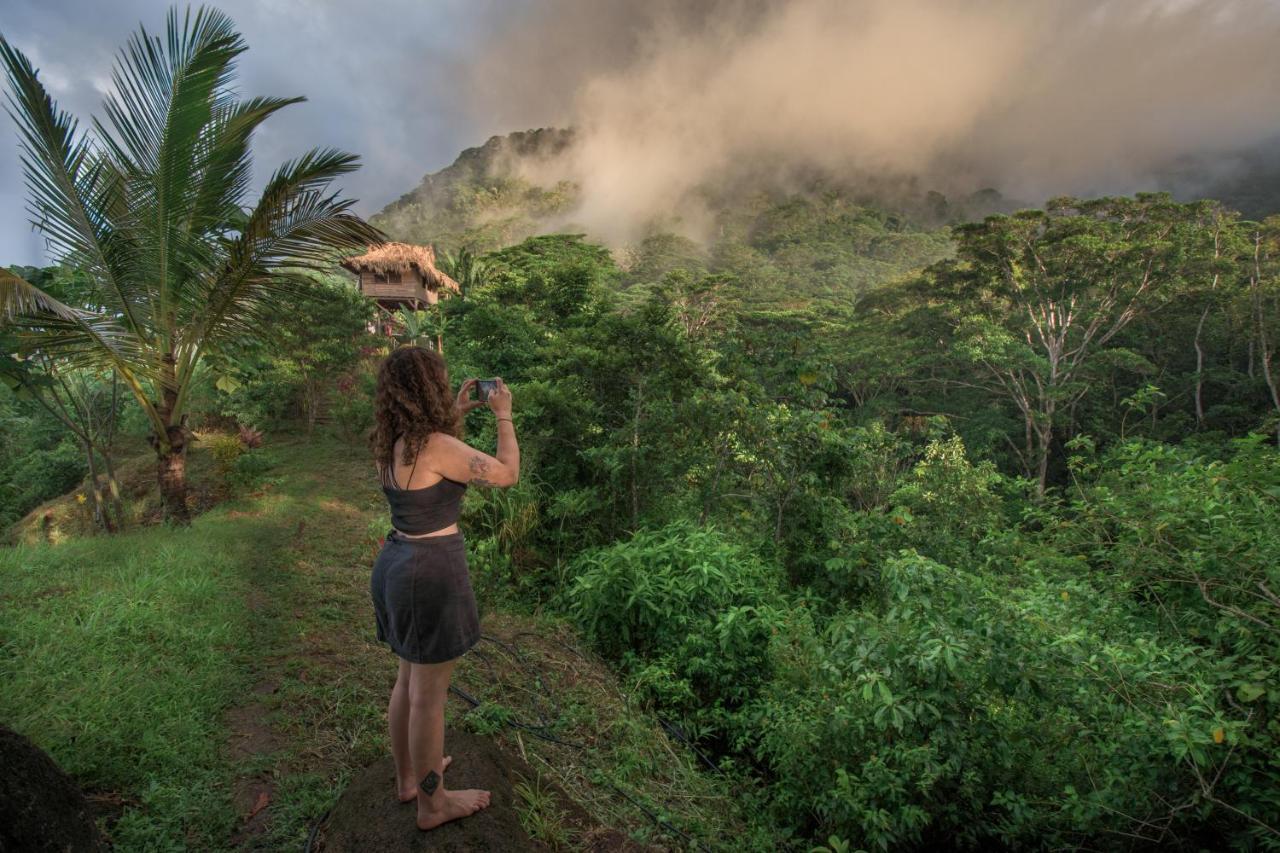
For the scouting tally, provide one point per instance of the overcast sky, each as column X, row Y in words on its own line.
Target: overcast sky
column 1035, row 98
column 378, row 77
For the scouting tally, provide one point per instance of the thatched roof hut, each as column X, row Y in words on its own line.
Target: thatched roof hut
column 399, row 273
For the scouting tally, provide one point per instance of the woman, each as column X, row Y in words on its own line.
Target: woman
column 422, row 598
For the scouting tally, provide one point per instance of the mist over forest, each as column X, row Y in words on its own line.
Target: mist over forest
column 1031, row 99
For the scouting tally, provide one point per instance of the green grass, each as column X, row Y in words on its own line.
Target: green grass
column 121, row 656
column 540, row 816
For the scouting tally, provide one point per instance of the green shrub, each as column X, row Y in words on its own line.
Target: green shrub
column 687, row 613
column 1197, row 541
column 351, row 403
column 944, row 507
column 249, row 471
column 947, row 504
column 973, row 711
column 225, row 450
column 40, row 474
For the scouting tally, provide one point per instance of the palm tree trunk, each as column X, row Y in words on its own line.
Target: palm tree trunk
column 171, row 457
column 171, row 473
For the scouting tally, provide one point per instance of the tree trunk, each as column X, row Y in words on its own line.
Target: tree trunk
column 311, row 400
column 635, row 454
column 1044, row 435
column 171, row 471
column 1199, row 346
column 171, row 450
column 1264, row 346
column 114, row 504
column 101, row 516
column 1200, row 369
column 721, row 458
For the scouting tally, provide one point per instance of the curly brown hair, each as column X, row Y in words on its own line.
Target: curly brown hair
column 413, row 399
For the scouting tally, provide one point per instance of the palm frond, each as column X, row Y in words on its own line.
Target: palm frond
column 294, row 224
column 20, row 298
column 72, row 193
column 169, row 95
column 224, row 166
column 79, row 338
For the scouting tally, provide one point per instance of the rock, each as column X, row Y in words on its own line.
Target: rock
column 368, row 816
column 41, row 807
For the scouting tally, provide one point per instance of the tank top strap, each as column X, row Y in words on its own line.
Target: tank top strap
column 416, row 456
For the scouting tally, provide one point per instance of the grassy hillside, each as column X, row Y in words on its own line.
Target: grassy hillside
column 213, row 688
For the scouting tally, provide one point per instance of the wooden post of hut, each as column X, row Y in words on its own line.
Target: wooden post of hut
column 398, row 275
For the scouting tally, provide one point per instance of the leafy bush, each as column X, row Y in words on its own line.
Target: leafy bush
column 240, row 467
column 943, row 506
column 225, row 450
column 250, row 469
column 1197, row 541
column 947, row 504
column 968, row 711
column 40, row 474
column 351, row 406
column 687, row 612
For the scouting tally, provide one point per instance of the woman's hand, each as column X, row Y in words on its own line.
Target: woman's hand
column 465, row 403
column 500, row 400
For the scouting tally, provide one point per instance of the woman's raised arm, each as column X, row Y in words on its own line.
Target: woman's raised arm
column 459, row 461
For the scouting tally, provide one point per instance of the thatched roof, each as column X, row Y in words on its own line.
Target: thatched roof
column 402, row 256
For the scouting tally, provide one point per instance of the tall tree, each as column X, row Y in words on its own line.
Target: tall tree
column 1039, row 294
column 153, row 207
column 1264, row 298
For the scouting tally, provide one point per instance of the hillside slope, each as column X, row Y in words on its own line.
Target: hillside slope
column 789, row 244
column 218, row 687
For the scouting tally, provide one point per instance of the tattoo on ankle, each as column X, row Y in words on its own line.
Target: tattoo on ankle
column 429, row 784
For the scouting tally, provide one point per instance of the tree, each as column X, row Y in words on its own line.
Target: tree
column 468, row 270
column 85, row 401
column 313, row 339
column 153, row 209
column 1041, row 293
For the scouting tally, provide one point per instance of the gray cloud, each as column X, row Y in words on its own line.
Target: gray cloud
column 1035, row 98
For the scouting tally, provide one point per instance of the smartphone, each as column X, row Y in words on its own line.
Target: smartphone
column 484, row 388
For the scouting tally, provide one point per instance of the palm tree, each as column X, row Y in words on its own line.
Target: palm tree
column 465, row 268
column 416, row 327
column 153, row 207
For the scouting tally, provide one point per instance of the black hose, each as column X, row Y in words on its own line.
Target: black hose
column 539, row 732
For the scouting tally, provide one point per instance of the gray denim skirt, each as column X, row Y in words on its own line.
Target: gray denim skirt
column 422, row 598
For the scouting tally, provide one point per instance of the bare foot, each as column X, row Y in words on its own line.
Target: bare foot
column 409, row 790
column 449, row 805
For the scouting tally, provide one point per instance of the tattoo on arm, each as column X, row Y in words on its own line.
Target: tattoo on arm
column 479, row 470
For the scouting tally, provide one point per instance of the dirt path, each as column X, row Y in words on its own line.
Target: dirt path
column 313, row 725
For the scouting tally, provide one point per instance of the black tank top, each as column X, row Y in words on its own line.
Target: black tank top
column 425, row 510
